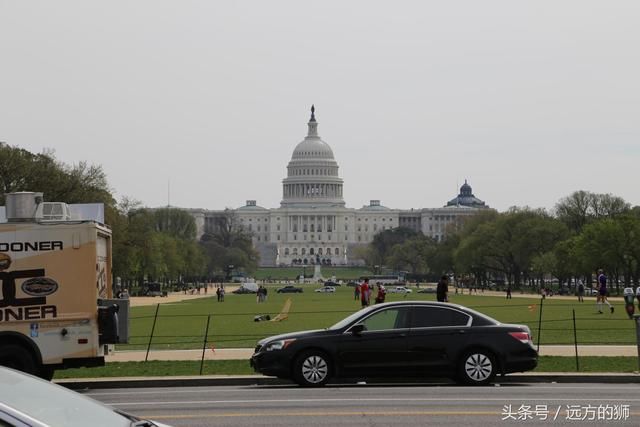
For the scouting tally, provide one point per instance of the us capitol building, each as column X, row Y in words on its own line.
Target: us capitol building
column 313, row 225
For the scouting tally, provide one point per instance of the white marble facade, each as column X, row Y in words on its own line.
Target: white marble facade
column 312, row 223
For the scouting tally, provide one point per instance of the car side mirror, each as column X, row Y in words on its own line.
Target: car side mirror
column 357, row 329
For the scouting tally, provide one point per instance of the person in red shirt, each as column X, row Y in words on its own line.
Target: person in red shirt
column 382, row 293
column 364, row 293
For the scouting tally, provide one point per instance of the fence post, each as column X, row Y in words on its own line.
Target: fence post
column 575, row 340
column 204, row 343
column 637, row 321
column 540, row 322
column 152, row 329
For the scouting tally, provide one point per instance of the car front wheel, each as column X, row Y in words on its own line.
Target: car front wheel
column 312, row 369
column 477, row 367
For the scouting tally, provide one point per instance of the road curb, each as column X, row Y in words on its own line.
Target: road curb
column 256, row 380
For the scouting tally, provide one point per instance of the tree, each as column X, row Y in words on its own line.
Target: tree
column 442, row 259
column 383, row 242
column 148, row 250
column 582, row 207
column 508, row 244
column 228, row 243
column 413, row 255
column 612, row 244
column 21, row 170
column 175, row 222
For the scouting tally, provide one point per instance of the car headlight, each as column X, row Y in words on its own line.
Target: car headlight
column 278, row 345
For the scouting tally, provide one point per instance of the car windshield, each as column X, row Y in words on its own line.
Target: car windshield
column 54, row 405
column 350, row 319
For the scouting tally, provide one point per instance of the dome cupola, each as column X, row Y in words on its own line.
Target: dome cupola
column 466, row 198
column 312, row 174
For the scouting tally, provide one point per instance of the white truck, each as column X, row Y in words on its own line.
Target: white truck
column 56, row 309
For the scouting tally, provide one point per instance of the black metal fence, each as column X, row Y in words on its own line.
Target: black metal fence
column 563, row 327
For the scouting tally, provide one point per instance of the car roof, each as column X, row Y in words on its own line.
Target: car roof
column 436, row 304
column 46, row 402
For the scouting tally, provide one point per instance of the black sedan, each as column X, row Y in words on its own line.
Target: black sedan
column 289, row 289
column 406, row 339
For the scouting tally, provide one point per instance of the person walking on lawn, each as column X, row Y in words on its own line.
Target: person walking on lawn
column 442, row 289
column 602, row 292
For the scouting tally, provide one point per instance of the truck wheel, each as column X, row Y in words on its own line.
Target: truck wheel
column 312, row 369
column 17, row 357
column 46, row 373
column 477, row 367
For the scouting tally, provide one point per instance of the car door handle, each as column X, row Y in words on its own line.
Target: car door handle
column 462, row 331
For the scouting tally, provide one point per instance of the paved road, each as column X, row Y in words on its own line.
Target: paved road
column 363, row 405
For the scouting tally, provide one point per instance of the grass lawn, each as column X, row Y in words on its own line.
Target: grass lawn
column 241, row 367
column 183, row 324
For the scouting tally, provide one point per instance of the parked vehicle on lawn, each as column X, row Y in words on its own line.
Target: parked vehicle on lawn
column 251, row 286
column 400, row 339
column 289, row 289
column 429, row 290
column 153, row 289
column 242, row 290
column 326, row 289
column 400, row 290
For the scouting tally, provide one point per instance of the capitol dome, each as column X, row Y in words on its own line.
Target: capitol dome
column 466, row 198
column 312, row 174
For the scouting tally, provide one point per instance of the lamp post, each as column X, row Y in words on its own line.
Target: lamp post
column 229, row 270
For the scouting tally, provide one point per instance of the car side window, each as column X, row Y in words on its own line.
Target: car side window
column 391, row 318
column 429, row 317
column 9, row 421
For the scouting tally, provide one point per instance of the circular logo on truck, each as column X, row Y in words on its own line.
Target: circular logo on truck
column 5, row 261
column 39, row 286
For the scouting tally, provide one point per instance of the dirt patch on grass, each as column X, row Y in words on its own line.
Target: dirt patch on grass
column 176, row 297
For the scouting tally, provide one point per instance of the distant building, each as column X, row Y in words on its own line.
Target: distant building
column 313, row 225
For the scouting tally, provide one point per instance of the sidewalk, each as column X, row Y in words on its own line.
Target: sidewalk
column 245, row 353
column 259, row 380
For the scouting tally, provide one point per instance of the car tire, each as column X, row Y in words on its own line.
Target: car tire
column 312, row 369
column 19, row 358
column 477, row 367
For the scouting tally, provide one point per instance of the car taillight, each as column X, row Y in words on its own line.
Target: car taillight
column 523, row 337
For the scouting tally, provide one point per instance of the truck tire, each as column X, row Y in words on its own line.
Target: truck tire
column 46, row 372
column 17, row 357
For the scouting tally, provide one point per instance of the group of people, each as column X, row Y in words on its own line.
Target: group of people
column 220, row 293
column 123, row 294
column 602, row 296
column 364, row 290
column 261, row 294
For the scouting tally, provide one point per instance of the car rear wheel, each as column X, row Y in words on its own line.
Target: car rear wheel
column 312, row 369
column 477, row 367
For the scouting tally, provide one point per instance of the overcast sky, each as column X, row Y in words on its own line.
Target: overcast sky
column 528, row 100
